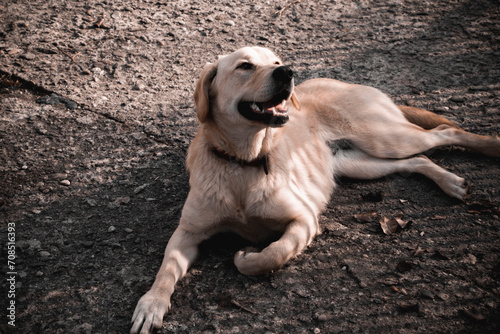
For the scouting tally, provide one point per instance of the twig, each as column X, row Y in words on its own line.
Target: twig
column 100, row 23
column 243, row 307
column 72, row 57
column 285, row 7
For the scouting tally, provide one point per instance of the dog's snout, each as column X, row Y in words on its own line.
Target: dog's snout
column 283, row 74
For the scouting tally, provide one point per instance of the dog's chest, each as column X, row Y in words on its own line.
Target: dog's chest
column 261, row 203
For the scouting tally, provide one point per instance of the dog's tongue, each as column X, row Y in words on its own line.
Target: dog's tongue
column 274, row 109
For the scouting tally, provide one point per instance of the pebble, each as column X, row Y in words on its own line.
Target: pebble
column 44, row 254
column 119, row 53
column 443, row 296
column 88, row 244
column 457, row 99
column 427, row 294
column 138, row 86
column 66, row 183
column 91, row 202
column 87, row 120
column 140, row 188
column 121, row 200
column 28, row 56
column 55, row 99
column 322, row 315
column 230, row 23
column 111, row 229
column 14, row 51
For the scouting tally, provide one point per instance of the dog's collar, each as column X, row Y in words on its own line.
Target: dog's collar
column 257, row 162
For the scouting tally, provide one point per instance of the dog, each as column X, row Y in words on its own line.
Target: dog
column 261, row 162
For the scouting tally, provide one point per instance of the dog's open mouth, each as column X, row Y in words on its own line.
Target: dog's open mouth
column 273, row 112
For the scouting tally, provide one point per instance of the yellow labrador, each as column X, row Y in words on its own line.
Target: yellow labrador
column 261, row 163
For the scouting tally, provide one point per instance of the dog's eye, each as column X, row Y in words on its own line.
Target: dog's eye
column 246, row 66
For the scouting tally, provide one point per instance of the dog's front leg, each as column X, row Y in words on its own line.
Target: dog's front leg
column 181, row 251
column 297, row 236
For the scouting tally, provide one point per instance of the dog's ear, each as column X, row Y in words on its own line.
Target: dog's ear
column 202, row 91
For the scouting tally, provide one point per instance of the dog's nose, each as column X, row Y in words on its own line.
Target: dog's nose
column 283, row 74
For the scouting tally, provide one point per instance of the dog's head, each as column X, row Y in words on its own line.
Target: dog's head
column 250, row 84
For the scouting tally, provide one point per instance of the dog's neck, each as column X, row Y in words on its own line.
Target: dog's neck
column 246, row 144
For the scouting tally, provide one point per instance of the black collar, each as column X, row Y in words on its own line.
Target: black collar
column 257, row 162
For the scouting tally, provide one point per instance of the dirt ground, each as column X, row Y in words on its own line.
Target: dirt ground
column 96, row 114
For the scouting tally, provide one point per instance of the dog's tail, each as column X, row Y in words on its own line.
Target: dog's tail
column 424, row 118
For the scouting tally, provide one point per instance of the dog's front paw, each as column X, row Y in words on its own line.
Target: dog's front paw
column 149, row 312
column 249, row 261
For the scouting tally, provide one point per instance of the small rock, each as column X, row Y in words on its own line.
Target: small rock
column 28, row 56
column 457, row 99
column 14, row 51
column 322, row 315
column 121, row 200
column 140, row 188
column 39, row 128
column 129, row 230
column 427, row 294
column 59, row 176
column 55, row 99
column 443, row 296
column 138, row 86
column 230, row 23
column 111, row 229
column 88, row 244
column 44, row 254
column 31, row 244
column 91, row 202
column 66, row 183
column 87, row 120
column 39, row 273
column 118, row 53
column 469, row 259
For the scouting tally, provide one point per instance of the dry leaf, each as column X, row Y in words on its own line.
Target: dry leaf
column 365, row 217
column 401, row 222
column 383, row 223
column 391, row 226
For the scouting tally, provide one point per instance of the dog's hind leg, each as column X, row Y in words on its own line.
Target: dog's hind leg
column 359, row 165
column 401, row 140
